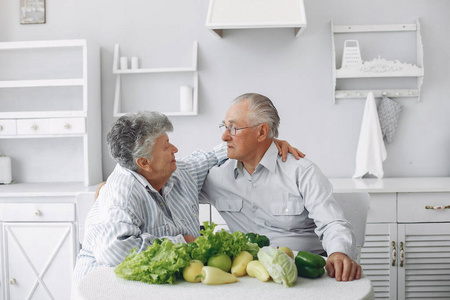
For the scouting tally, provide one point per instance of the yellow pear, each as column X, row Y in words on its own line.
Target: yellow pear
column 191, row 272
column 288, row 251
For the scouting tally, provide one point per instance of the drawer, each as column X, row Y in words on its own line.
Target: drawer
column 33, row 126
column 412, row 207
column 8, row 127
column 67, row 125
column 382, row 208
column 38, row 212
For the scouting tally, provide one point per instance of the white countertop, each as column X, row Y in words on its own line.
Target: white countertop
column 102, row 283
column 44, row 189
column 392, row 185
column 341, row 185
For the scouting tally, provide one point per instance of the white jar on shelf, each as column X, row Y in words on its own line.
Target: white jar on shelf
column 185, row 98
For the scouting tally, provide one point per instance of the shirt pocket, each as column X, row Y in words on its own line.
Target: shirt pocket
column 229, row 204
column 291, row 207
column 287, row 215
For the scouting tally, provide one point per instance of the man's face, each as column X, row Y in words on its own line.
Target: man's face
column 163, row 157
column 242, row 145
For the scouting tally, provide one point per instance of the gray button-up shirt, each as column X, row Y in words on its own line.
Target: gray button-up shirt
column 291, row 202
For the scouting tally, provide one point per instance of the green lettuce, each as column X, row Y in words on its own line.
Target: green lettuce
column 279, row 265
column 159, row 263
column 211, row 243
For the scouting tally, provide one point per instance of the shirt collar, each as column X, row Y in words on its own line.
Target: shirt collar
column 268, row 161
column 144, row 182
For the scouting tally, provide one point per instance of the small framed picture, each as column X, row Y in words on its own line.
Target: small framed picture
column 32, row 11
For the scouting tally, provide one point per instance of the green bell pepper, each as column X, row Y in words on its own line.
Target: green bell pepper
column 309, row 265
column 261, row 240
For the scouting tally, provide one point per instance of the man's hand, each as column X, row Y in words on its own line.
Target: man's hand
column 342, row 267
column 284, row 148
column 189, row 238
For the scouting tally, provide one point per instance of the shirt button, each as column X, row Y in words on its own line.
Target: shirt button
column 255, row 185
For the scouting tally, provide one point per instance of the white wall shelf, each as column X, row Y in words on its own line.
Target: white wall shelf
column 378, row 68
column 244, row 14
column 77, row 116
column 192, row 69
column 40, row 83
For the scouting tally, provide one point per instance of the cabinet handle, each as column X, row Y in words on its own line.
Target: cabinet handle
column 437, row 207
column 12, row 281
column 33, row 127
column 394, row 254
column 66, row 125
column 37, row 212
column 402, row 254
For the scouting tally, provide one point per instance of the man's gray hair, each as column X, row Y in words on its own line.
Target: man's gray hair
column 133, row 135
column 261, row 110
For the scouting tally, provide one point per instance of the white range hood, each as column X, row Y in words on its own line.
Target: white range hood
column 241, row 14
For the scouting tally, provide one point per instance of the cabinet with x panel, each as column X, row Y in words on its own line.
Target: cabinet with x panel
column 39, row 248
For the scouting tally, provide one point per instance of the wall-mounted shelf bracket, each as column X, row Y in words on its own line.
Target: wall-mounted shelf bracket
column 378, row 68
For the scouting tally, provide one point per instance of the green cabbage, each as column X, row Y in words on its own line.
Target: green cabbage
column 280, row 266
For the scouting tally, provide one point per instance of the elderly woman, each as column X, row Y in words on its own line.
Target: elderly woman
column 149, row 194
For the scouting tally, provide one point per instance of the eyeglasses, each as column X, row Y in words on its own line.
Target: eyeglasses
column 232, row 130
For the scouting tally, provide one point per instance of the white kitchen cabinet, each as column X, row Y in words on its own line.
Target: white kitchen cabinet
column 245, row 14
column 39, row 240
column 408, row 261
column 50, row 93
column 407, row 254
column 39, row 250
column 409, row 216
column 38, row 260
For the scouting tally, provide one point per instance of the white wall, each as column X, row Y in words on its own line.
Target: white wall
column 294, row 72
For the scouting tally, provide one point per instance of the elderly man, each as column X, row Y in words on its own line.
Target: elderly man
column 292, row 203
column 149, row 194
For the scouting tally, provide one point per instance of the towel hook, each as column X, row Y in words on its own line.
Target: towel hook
column 384, row 93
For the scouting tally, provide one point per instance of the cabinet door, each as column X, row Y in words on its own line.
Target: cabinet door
column 378, row 259
column 425, row 273
column 39, row 259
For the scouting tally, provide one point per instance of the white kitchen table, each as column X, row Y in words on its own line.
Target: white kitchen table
column 102, row 283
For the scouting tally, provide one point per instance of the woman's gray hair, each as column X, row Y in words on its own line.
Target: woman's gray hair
column 261, row 110
column 133, row 135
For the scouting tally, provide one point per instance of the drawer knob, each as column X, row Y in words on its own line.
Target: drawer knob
column 437, row 207
column 33, row 127
column 12, row 281
column 37, row 212
column 66, row 125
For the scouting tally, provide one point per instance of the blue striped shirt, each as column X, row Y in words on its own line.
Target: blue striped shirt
column 129, row 213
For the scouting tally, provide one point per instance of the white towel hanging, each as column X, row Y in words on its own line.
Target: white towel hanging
column 371, row 150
